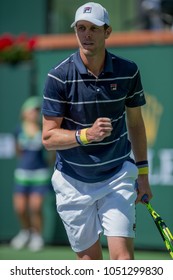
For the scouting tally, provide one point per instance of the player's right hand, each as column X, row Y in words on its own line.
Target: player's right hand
column 101, row 129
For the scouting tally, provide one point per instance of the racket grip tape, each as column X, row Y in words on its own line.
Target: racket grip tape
column 145, row 198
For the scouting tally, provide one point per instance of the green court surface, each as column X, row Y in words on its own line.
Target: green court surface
column 65, row 253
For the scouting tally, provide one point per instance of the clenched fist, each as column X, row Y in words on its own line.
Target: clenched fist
column 101, row 129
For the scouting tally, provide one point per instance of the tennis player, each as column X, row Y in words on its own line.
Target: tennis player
column 92, row 118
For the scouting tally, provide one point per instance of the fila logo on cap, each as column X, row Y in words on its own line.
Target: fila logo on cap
column 87, row 10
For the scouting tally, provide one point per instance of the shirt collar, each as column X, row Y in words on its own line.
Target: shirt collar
column 108, row 67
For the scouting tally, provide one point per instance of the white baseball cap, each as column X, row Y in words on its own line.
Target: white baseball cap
column 92, row 12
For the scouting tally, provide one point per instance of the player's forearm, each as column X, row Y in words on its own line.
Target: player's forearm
column 138, row 140
column 59, row 139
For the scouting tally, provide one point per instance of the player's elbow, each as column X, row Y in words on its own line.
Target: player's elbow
column 46, row 143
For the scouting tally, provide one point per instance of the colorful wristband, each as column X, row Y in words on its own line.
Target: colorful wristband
column 143, row 170
column 77, row 135
column 142, row 167
column 81, row 137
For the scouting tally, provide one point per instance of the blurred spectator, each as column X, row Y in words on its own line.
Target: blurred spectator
column 151, row 10
column 32, row 177
column 157, row 14
column 167, row 13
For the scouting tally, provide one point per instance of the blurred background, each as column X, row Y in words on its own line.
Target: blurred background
column 35, row 36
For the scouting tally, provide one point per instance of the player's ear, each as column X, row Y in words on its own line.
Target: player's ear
column 108, row 32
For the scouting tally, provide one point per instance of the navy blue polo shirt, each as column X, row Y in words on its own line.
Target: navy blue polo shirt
column 74, row 94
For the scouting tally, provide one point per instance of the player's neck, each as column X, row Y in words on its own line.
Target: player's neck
column 94, row 64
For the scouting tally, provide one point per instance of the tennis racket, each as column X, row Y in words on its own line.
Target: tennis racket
column 162, row 227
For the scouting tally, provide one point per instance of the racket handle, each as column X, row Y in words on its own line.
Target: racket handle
column 145, row 198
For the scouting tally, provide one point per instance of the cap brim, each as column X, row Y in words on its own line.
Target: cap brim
column 94, row 21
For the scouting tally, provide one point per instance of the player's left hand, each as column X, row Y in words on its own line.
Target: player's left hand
column 143, row 187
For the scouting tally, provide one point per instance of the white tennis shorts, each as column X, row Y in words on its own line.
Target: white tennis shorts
column 87, row 209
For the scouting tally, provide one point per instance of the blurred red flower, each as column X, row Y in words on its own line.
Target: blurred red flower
column 14, row 49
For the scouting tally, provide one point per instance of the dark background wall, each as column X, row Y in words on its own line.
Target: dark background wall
column 56, row 16
column 20, row 16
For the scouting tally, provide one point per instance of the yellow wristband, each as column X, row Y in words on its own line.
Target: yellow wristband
column 143, row 170
column 83, row 136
